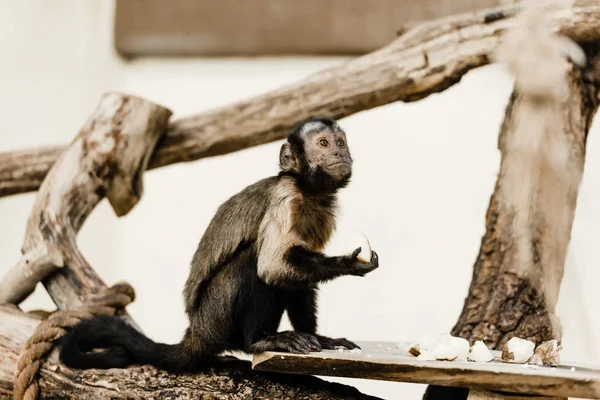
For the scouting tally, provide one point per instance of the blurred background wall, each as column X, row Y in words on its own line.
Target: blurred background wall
column 424, row 173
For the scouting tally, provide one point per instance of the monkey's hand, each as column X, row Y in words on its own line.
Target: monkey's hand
column 360, row 268
column 331, row 344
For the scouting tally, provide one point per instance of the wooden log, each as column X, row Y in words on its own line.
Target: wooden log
column 505, row 299
column 385, row 361
column 234, row 381
column 426, row 59
column 106, row 159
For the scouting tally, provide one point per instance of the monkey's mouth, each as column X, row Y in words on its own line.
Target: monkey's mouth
column 334, row 164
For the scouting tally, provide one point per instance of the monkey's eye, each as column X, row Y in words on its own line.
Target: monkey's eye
column 340, row 143
column 323, row 142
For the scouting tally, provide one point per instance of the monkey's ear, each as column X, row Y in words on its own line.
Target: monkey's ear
column 287, row 159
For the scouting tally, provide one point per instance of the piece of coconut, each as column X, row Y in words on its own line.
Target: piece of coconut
column 361, row 241
column 414, row 349
column 426, row 356
column 461, row 345
column 547, row 353
column 479, row 352
column 517, row 350
column 445, row 352
column 428, row 342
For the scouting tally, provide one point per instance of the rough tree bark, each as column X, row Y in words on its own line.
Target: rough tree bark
column 426, row 59
column 502, row 302
column 236, row 380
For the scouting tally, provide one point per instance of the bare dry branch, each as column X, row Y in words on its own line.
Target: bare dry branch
column 107, row 158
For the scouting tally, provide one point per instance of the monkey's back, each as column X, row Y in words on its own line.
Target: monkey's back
column 233, row 227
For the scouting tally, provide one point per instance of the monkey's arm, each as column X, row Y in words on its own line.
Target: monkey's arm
column 296, row 266
column 313, row 267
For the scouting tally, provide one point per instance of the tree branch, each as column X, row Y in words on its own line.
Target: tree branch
column 107, row 158
column 426, row 59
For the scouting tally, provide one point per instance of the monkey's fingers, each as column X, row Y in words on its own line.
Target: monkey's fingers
column 315, row 344
column 355, row 253
column 302, row 343
column 374, row 259
column 332, row 344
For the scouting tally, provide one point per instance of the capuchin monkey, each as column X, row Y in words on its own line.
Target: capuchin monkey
column 260, row 256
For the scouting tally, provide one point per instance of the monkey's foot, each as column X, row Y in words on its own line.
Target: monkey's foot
column 288, row 341
column 331, row 344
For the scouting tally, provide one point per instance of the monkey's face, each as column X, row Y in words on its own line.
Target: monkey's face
column 317, row 152
column 327, row 150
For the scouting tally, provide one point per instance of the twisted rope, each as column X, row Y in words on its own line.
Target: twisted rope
column 40, row 344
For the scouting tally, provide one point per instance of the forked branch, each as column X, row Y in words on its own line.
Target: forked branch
column 106, row 159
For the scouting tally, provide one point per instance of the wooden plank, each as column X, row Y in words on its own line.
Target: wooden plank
column 485, row 395
column 269, row 27
column 387, row 361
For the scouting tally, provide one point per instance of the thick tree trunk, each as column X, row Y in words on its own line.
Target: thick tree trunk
column 503, row 300
column 235, row 381
column 427, row 59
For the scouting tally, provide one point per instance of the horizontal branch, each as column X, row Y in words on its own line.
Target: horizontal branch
column 426, row 59
column 234, row 381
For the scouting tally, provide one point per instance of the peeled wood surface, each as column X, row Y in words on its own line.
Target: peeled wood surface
column 376, row 362
column 237, row 382
column 106, row 159
column 427, row 59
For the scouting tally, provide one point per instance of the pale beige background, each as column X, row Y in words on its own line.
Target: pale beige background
column 424, row 173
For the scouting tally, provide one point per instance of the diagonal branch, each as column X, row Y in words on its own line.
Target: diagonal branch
column 426, row 59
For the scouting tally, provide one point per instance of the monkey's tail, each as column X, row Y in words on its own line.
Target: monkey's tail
column 121, row 346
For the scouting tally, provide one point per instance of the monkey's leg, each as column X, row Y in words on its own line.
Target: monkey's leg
column 263, row 309
column 302, row 311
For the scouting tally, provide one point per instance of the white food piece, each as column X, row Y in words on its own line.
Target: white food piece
column 356, row 351
column 428, row 342
column 426, row 356
column 450, row 348
column 445, row 352
column 460, row 345
column 361, row 241
column 517, row 350
column 479, row 352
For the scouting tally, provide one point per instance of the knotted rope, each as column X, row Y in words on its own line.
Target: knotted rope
column 40, row 344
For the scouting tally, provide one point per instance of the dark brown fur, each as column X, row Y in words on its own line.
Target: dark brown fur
column 260, row 255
